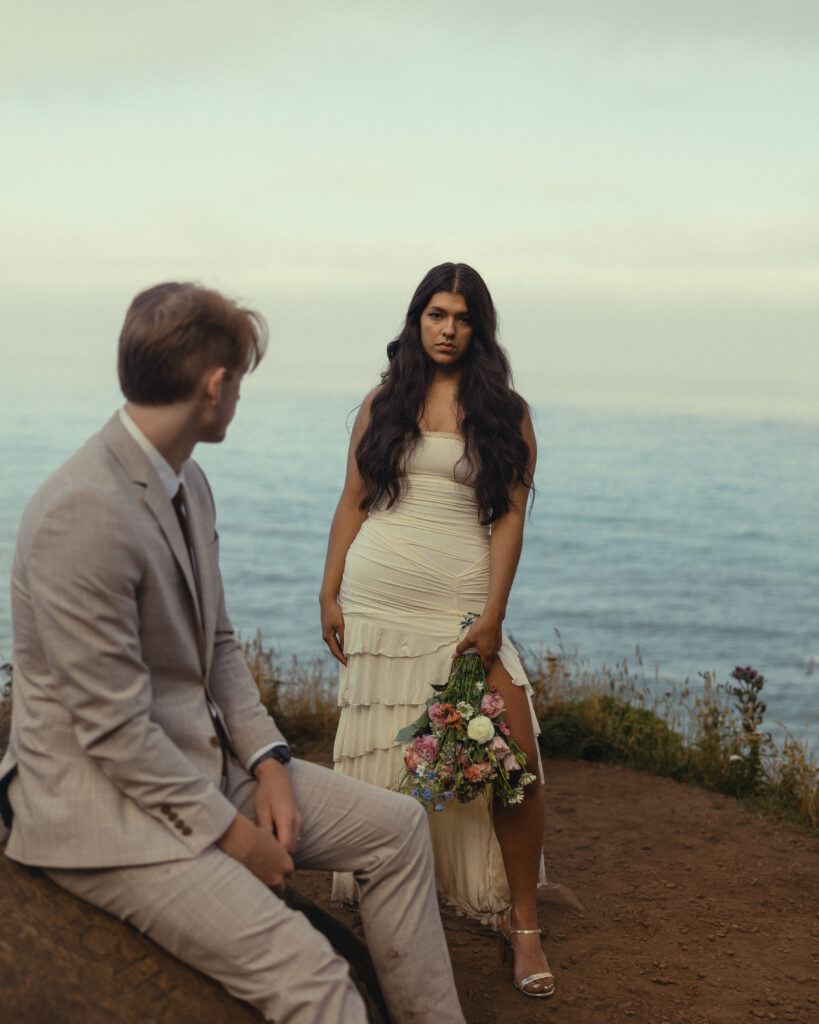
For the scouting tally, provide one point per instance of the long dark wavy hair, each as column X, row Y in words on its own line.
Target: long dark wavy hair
column 490, row 411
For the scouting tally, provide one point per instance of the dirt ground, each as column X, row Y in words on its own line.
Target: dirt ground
column 695, row 910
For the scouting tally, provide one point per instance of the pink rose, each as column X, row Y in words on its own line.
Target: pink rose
column 492, row 705
column 504, row 728
column 426, row 747
column 435, row 715
column 498, row 746
column 510, row 763
column 411, row 758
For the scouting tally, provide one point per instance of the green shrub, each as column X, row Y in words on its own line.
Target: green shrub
column 714, row 738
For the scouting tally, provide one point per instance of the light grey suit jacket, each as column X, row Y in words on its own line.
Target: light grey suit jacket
column 113, row 758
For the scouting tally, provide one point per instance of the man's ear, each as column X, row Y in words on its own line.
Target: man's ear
column 212, row 384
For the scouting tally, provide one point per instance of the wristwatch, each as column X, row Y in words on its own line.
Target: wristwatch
column 280, row 753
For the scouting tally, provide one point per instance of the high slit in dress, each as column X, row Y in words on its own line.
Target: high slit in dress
column 412, row 575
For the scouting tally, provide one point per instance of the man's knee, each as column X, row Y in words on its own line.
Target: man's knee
column 413, row 826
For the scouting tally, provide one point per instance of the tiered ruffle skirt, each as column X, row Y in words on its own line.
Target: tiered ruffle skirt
column 405, row 595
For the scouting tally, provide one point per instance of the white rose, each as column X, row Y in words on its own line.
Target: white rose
column 480, row 729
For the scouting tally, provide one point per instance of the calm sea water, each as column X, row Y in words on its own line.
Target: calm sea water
column 694, row 538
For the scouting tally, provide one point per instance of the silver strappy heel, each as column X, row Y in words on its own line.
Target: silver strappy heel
column 507, row 951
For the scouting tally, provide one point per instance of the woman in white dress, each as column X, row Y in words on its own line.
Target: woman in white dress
column 427, row 534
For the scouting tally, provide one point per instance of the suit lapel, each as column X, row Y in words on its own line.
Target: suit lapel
column 138, row 467
column 156, row 498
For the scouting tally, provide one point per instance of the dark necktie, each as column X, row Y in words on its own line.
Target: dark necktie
column 181, row 509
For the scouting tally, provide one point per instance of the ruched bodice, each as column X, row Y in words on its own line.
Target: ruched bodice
column 440, row 454
column 438, row 488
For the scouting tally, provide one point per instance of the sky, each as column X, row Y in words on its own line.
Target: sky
column 636, row 180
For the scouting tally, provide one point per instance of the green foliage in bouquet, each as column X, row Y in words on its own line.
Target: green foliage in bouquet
column 460, row 746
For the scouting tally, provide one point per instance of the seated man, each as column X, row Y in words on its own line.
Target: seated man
column 143, row 773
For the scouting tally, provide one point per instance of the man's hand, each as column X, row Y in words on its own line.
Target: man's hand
column 259, row 851
column 275, row 804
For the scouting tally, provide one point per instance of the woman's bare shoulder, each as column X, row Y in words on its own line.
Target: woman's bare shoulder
column 367, row 400
column 362, row 418
column 525, row 409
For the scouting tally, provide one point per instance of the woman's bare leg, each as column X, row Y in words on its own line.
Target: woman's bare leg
column 519, row 830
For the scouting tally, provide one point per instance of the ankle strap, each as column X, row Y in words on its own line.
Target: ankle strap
column 525, row 931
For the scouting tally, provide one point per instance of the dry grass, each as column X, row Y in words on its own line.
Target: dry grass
column 5, row 706
column 712, row 737
column 300, row 696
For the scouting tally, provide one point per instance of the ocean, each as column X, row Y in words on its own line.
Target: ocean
column 692, row 538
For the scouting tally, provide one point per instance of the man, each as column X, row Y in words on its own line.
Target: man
column 143, row 773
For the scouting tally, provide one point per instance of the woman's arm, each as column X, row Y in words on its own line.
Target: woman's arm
column 346, row 524
column 505, row 544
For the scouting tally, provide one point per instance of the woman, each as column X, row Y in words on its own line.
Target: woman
column 428, row 532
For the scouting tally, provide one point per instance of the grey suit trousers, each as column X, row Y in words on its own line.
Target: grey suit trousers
column 211, row 912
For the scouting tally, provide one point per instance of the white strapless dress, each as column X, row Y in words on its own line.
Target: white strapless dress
column 412, row 574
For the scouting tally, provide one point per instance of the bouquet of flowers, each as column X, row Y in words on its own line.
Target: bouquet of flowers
column 460, row 746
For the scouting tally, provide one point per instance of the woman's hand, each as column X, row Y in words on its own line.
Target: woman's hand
column 332, row 629
column 347, row 521
column 484, row 636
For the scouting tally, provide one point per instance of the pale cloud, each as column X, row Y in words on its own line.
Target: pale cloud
column 48, row 46
column 772, row 254
column 637, row 178
column 46, row 40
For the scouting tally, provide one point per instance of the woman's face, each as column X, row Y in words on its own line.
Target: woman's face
column 446, row 330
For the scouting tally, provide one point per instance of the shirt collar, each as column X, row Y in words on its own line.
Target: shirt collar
column 171, row 480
